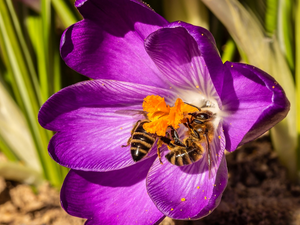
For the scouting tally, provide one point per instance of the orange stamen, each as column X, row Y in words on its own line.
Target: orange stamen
column 176, row 114
column 162, row 115
column 158, row 127
column 155, row 106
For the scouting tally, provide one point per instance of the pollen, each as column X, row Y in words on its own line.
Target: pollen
column 219, row 137
column 198, row 187
column 231, row 65
column 273, row 86
column 162, row 116
column 197, row 86
column 205, row 197
column 183, row 199
column 172, row 209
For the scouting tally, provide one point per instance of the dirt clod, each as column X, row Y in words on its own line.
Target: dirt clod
column 19, row 204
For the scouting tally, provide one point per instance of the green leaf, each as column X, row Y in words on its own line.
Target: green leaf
column 192, row 11
column 17, row 172
column 27, row 57
column 5, row 149
column 271, row 16
column 13, row 127
column 285, row 30
column 64, row 12
column 29, row 102
column 229, row 51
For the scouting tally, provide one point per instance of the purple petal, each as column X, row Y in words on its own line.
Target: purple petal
column 96, row 145
column 253, row 101
column 209, row 52
column 93, row 121
column 116, row 197
column 93, row 95
column 183, row 192
column 108, row 43
column 176, row 54
column 220, row 185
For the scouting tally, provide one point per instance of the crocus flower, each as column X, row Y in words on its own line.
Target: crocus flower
column 131, row 53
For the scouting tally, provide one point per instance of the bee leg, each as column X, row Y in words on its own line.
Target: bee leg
column 176, row 138
column 188, row 124
column 132, row 131
column 168, row 135
column 163, row 140
column 159, row 144
column 209, row 158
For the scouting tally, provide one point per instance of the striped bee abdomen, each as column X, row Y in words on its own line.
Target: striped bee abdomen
column 181, row 156
column 141, row 142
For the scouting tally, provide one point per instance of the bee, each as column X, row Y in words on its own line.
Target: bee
column 200, row 133
column 140, row 141
column 184, row 152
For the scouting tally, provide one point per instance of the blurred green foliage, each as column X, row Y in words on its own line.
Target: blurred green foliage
column 30, row 71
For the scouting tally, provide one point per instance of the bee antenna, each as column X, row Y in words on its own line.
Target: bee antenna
column 193, row 106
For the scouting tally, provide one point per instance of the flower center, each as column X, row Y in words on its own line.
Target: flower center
column 161, row 115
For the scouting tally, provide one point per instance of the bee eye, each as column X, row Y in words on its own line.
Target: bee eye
column 204, row 116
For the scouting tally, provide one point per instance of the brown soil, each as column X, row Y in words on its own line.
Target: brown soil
column 20, row 204
column 258, row 193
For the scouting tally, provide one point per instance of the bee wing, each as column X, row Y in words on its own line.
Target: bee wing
column 208, row 157
column 132, row 113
